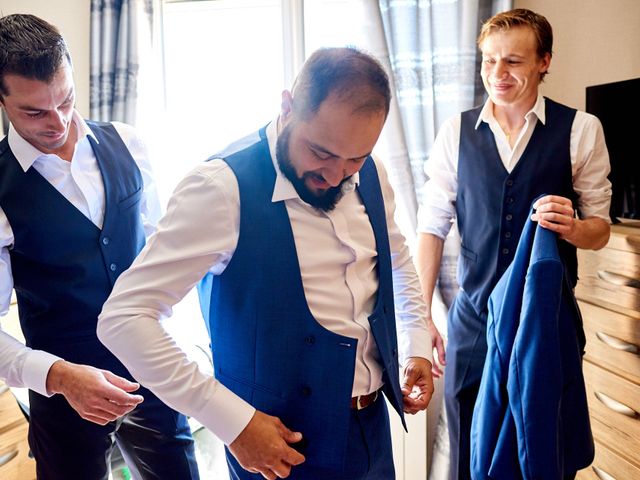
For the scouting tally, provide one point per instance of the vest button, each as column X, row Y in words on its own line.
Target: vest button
column 510, row 200
column 112, row 267
column 105, row 240
column 306, row 391
column 310, row 340
column 507, row 235
column 509, row 216
column 509, row 183
column 505, row 251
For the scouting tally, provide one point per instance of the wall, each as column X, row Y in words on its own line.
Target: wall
column 594, row 42
column 72, row 18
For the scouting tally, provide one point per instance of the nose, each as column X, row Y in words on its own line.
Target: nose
column 499, row 69
column 335, row 173
column 58, row 122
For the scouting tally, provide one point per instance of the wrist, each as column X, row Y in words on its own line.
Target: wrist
column 55, row 377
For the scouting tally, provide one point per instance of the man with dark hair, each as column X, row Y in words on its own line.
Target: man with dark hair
column 307, row 274
column 76, row 201
column 486, row 168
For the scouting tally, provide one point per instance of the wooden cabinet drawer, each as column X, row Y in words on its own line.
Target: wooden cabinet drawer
column 14, row 449
column 625, row 238
column 611, row 278
column 613, row 340
column 612, row 428
column 608, row 463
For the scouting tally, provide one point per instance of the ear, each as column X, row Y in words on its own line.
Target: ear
column 545, row 63
column 286, row 108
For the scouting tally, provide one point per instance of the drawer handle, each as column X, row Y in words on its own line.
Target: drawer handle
column 618, row 279
column 601, row 474
column 7, row 457
column 616, row 343
column 615, row 405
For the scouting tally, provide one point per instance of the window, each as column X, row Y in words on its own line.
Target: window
column 226, row 63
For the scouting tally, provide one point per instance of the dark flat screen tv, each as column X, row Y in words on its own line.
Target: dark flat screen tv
column 617, row 105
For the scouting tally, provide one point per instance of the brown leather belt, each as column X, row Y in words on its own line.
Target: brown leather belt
column 363, row 401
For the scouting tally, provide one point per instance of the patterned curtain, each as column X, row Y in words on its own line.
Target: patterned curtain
column 436, row 65
column 120, row 38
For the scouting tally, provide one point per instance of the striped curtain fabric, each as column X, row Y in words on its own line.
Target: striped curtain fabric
column 120, row 37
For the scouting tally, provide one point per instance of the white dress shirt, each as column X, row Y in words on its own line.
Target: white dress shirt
column 587, row 149
column 80, row 182
column 337, row 258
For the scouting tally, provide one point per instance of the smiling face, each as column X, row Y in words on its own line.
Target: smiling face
column 319, row 153
column 41, row 112
column 511, row 67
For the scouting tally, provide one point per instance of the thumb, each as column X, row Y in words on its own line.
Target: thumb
column 119, row 388
column 409, row 380
column 289, row 436
column 120, row 382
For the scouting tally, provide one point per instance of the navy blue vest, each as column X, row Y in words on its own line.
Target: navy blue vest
column 267, row 346
column 492, row 205
column 63, row 266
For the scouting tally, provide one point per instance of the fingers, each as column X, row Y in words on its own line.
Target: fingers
column 263, row 447
column 555, row 213
column 544, row 202
column 413, row 405
column 120, row 382
column 417, row 388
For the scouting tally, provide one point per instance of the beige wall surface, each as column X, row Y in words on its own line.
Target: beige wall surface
column 595, row 41
column 72, row 18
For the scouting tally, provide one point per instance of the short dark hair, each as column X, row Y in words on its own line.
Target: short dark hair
column 348, row 72
column 31, row 48
column 521, row 17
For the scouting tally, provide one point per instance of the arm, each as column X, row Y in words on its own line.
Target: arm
column 557, row 214
column 428, row 258
column 97, row 395
column 198, row 234
column 417, row 336
column 436, row 214
column 590, row 167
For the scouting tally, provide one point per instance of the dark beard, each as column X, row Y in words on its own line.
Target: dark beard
column 325, row 201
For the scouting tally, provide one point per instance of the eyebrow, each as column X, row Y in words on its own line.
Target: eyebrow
column 34, row 109
column 321, row 149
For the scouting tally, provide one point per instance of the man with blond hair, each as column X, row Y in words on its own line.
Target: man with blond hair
column 486, row 168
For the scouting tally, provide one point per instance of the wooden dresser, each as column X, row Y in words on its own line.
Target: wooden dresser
column 15, row 463
column 609, row 295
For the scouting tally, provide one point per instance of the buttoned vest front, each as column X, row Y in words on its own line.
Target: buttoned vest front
column 64, row 267
column 492, row 205
column 267, row 346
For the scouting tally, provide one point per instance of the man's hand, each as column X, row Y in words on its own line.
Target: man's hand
column 556, row 214
column 437, row 345
column 417, row 386
column 262, row 447
column 98, row 396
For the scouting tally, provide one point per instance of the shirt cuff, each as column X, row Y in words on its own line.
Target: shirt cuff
column 36, row 369
column 226, row 414
column 414, row 343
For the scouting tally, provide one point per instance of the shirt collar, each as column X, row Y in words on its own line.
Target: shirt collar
column 538, row 110
column 27, row 154
column 283, row 189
